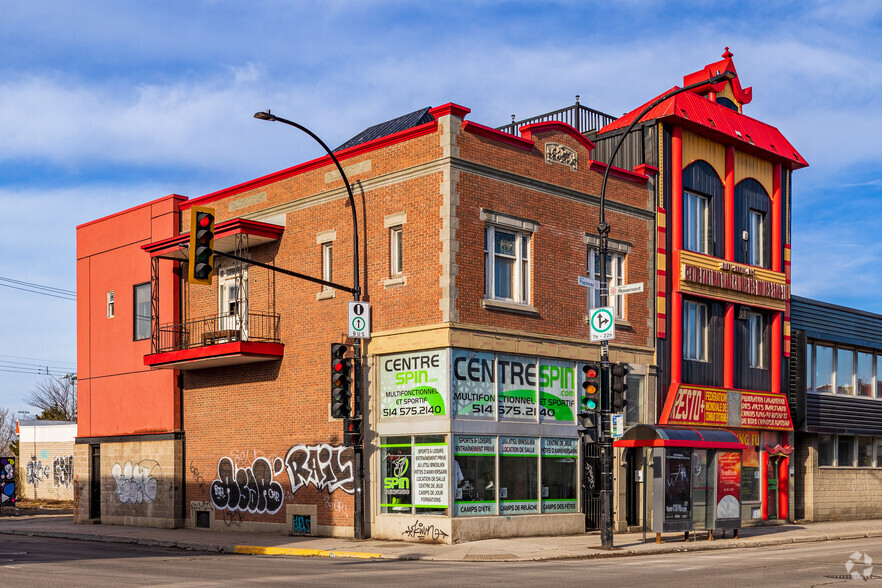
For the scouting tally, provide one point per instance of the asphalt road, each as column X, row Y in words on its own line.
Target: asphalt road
column 35, row 561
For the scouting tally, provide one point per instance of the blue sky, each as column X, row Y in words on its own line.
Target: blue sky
column 105, row 105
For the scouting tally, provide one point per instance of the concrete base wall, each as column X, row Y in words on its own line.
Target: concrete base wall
column 429, row 529
column 141, row 483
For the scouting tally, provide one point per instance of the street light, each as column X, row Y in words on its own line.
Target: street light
column 358, row 450
column 606, row 446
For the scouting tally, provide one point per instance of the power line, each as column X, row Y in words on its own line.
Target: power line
column 42, row 361
column 38, row 289
column 39, row 366
column 32, row 371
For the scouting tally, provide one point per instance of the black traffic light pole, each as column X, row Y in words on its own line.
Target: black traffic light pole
column 606, row 443
column 358, row 405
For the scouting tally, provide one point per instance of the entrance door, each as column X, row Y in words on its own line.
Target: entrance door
column 772, row 488
column 95, row 483
column 632, row 515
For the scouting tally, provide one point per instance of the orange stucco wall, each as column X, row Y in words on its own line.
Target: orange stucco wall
column 117, row 394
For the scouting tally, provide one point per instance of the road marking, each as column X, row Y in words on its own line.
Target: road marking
column 258, row 550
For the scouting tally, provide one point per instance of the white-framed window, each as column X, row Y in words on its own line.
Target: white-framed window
column 756, row 238
column 842, row 370
column 615, row 276
column 507, row 264
column 110, row 304
column 142, row 311
column 695, row 330
column 696, row 227
column 756, row 342
column 327, row 263
column 396, row 246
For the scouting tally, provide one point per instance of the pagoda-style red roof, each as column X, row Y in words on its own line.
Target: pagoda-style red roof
column 705, row 117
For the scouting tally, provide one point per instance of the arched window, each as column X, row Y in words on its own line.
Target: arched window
column 702, row 209
column 752, row 224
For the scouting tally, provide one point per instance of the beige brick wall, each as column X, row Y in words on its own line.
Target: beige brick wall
column 837, row 494
column 48, row 470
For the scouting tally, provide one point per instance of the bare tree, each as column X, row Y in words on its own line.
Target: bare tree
column 7, row 431
column 56, row 397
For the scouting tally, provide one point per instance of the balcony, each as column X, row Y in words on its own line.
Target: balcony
column 216, row 341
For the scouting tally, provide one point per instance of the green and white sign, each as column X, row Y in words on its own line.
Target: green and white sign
column 557, row 391
column 517, row 387
column 603, row 323
column 430, row 479
column 414, row 384
column 473, row 384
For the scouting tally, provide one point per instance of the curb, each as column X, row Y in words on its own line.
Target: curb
column 257, row 550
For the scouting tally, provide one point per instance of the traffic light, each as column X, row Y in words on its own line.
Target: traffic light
column 590, row 400
column 352, row 433
column 341, row 382
column 201, row 255
column 620, row 373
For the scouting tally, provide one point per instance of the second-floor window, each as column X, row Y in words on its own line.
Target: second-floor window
column 756, row 346
column 507, row 264
column 141, row 311
column 396, row 265
column 615, row 276
column 696, row 223
column 327, row 263
column 695, row 329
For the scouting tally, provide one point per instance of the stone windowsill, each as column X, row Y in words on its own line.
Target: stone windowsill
column 508, row 306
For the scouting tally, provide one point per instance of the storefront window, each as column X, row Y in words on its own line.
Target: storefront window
column 865, row 374
column 808, row 367
column 826, row 448
column 879, row 376
column 879, row 452
column 414, row 474
column 750, row 471
column 518, row 475
column 559, row 474
column 844, row 451
column 865, row 452
column 845, row 371
column 823, row 368
column 395, row 453
column 474, row 475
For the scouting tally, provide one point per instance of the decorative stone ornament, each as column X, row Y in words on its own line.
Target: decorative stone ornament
column 557, row 153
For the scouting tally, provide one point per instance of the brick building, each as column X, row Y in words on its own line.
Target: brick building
column 213, row 410
column 47, row 450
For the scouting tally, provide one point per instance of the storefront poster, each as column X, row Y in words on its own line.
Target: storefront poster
column 474, row 445
column 414, row 384
column 557, row 391
column 563, row 451
column 475, row 489
column 698, row 405
column 526, row 446
column 396, row 493
column 473, row 384
column 430, row 478
column 678, row 485
column 729, row 485
column 517, row 387
column 522, row 447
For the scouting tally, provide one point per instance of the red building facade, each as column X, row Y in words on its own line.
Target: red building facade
column 723, row 263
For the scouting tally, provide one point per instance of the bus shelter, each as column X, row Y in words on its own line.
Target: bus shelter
column 696, row 476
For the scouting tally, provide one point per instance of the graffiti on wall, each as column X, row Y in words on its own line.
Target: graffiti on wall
column 322, row 466
column 62, row 471
column 250, row 489
column 36, row 472
column 7, row 481
column 137, row 482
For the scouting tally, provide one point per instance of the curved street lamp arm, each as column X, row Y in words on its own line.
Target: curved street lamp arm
column 356, row 289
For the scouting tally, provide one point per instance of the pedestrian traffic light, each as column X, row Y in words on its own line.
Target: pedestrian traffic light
column 352, row 433
column 620, row 373
column 341, row 382
column 201, row 254
column 590, row 401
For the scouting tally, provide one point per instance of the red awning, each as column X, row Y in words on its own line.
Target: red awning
column 679, row 436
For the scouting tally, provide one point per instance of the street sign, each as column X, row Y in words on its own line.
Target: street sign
column 359, row 320
column 589, row 282
column 618, row 425
column 626, row 289
column 603, row 323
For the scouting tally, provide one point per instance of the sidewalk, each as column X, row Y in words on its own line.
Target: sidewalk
column 515, row 549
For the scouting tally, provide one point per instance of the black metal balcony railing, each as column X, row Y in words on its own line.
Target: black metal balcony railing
column 221, row 328
column 584, row 119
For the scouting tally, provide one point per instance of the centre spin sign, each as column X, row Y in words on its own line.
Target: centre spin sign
column 414, row 384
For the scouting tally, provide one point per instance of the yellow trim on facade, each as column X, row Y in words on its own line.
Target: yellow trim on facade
column 712, row 263
column 748, row 166
column 696, row 147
